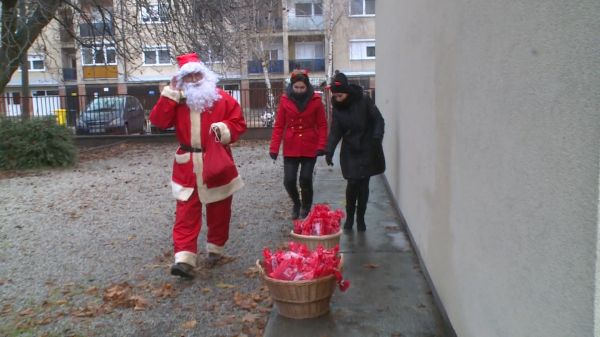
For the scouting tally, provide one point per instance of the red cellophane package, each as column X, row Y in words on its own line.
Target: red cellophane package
column 321, row 220
column 299, row 263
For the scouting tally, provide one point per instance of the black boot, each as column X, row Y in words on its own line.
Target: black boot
column 307, row 196
column 182, row 269
column 361, row 209
column 361, row 226
column 296, row 211
column 349, row 217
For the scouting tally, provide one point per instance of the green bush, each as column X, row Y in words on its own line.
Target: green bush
column 35, row 143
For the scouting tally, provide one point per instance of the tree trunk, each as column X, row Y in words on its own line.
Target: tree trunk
column 19, row 33
column 329, row 37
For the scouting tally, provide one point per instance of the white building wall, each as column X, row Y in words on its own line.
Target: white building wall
column 493, row 142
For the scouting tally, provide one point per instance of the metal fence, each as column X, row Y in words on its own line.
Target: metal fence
column 71, row 111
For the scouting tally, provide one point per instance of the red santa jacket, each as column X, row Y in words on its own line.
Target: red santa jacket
column 303, row 132
column 193, row 128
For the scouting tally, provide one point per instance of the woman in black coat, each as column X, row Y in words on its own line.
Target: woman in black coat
column 359, row 124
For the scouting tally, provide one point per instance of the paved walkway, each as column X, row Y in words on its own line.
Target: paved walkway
column 389, row 295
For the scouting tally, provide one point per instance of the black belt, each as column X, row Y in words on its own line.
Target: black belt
column 187, row 148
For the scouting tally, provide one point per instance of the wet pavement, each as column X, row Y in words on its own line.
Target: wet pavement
column 389, row 295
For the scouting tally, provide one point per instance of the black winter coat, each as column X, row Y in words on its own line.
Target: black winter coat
column 360, row 126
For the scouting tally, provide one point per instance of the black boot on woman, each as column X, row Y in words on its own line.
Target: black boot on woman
column 349, row 218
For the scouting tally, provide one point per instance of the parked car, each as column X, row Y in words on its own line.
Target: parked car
column 121, row 114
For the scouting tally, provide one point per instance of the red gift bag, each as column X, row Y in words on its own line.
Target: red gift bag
column 217, row 168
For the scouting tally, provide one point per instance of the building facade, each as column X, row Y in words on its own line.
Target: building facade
column 65, row 75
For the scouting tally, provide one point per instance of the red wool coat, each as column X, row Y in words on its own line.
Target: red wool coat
column 193, row 128
column 303, row 132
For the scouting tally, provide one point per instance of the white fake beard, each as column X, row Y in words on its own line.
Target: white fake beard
column 200, row 95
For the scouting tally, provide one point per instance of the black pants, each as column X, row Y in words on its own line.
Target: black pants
column 290, row 176
column 357, row 196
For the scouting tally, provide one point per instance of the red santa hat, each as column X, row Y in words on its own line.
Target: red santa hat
column 189, row 64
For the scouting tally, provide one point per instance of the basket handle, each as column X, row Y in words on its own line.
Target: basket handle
column 260, row 268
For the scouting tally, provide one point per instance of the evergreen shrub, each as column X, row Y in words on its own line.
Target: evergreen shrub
column 35, row 143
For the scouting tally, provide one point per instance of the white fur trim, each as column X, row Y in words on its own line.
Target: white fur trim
column 182, row 158
column 212, row 248
column 170, row 93
column 196, row 67
column 208, row 195
column 224, row 131
column 195, row 131
column 180, row 192
column 186, row 257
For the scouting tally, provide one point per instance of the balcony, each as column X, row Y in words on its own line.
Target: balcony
column 70, row 74
column 308, row 64
column 275, row 67
column 93, row 72
column 306, row 23
column 96, row 29
column 274, row 25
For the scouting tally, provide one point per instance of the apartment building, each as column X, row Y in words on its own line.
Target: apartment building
column 65, row 75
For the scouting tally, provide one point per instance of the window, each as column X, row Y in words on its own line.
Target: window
column 154, row 13
column 362, row 7
column 309, row 50
column 99, row 55
column 309, row 9
column 97, row 23
column 157, row 55
column 36, row 63
column 272, row 54
column 362, row 49
column 39, row 93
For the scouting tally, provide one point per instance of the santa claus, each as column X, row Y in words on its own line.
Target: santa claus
column 201, row 113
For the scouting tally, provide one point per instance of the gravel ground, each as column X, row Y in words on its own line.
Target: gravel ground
column 86, row 251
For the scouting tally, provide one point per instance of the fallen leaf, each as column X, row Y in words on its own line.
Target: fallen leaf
column 91, row 291
column 205, row 290
column 165, row 290
column 224, row 285
column 244, row 301
column 250, row 317
column 44, row 321
column 251, row 272
column 371, row 265
column 6, row 309
column 189, row 324
column 139, row 303
column 26, row 312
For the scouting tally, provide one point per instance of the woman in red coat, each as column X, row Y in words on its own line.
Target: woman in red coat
column 301, row 123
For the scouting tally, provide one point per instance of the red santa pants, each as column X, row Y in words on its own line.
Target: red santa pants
column 188, row 220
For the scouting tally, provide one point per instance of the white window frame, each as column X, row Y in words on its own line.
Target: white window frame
column 154, row 16
column 312, row 9
column 156, row 49
column 35, row 57
column 315, row 45
column 363, row 54
column 363, row 10
column 105, row 47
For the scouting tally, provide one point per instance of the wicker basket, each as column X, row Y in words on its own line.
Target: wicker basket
column 301, row 299
column 312, row 241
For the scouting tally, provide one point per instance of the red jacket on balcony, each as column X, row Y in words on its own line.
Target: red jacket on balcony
column 303, row 132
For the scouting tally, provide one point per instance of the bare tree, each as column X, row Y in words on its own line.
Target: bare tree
column 259, row 21
column 202, row 26
column 21, row 23
column 334, row 13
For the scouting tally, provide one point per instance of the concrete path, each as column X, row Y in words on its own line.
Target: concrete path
column 389, row 295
